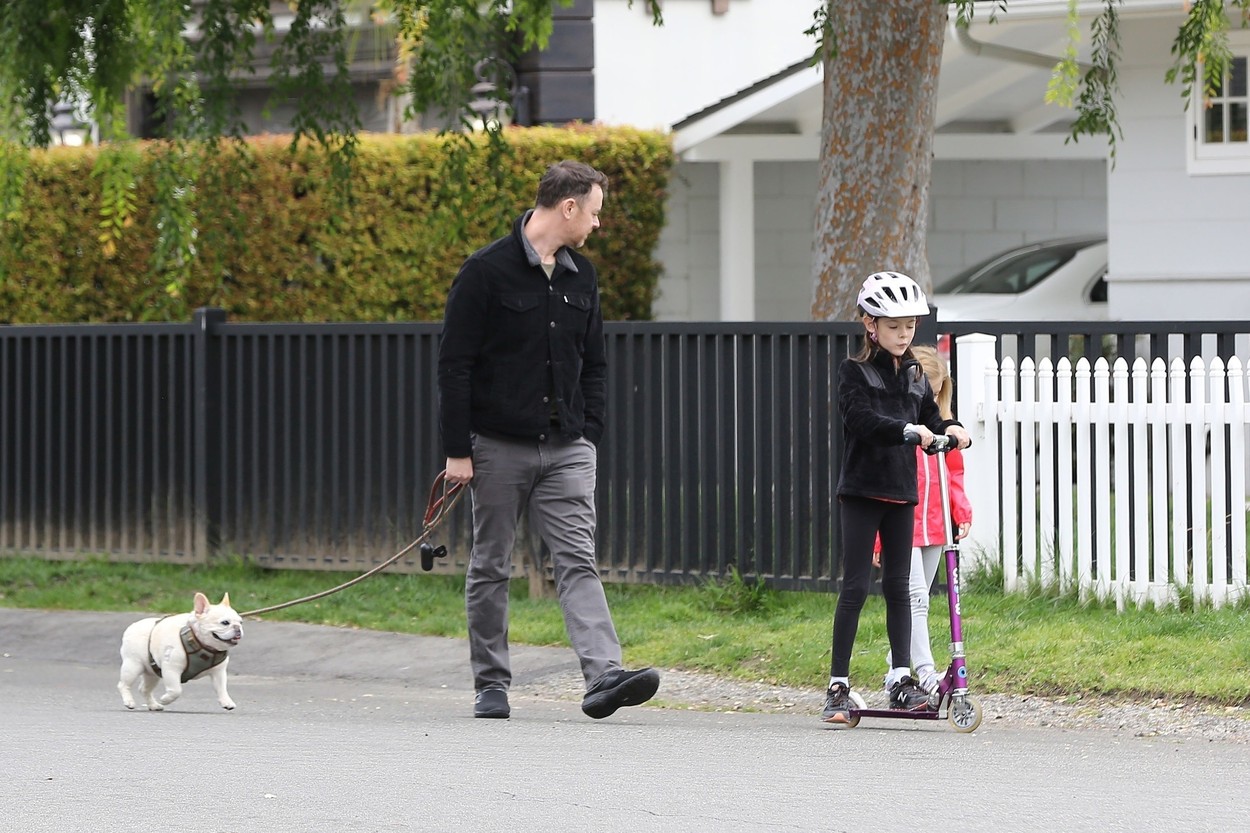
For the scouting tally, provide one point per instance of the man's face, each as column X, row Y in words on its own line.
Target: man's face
column 584, row 217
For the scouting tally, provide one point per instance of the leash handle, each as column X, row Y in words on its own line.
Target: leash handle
column 439, row 503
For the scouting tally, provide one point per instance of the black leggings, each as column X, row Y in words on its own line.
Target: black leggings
column 862, row 519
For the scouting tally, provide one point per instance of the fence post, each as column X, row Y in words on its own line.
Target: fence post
column 927, row 328
column 975, row 354
column 205, row 464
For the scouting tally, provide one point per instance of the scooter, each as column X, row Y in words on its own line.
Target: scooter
column 951, row 699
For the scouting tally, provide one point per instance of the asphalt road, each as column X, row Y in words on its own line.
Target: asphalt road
column 342, row 730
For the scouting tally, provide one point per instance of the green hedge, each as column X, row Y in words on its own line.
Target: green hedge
column 276, row 243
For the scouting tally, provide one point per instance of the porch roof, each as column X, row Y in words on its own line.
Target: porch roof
column 990, row 101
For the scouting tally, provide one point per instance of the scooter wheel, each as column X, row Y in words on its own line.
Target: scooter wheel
column 857, row 705
column 965, row 713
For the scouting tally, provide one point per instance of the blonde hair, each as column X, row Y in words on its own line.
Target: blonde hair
column 939, row 377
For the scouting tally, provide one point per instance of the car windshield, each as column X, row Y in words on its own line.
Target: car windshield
column 1011, row 274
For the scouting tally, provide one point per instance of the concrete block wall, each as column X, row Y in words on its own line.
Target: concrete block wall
column 979, row 208
column 689, row 246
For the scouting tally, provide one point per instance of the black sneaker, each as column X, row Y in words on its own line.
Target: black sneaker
column 620, row 688
column 491, row 702
column 908, row 696
column 837, row 704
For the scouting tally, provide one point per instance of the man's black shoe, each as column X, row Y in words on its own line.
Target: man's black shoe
column 491, row 702
column 617, row 689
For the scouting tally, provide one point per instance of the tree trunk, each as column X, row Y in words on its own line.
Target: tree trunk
column 881, row 74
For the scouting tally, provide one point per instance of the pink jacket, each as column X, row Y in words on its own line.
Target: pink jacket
column 929, row 528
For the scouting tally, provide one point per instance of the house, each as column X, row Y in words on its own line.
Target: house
column 733, row 83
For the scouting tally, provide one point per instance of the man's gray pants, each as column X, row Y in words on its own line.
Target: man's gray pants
column 555, row 480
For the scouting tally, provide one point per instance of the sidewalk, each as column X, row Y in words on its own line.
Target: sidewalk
column 283, row 649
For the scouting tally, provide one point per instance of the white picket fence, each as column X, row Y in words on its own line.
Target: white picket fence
column 1110, row 480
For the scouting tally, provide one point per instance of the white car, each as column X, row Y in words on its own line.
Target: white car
column 1057, row 280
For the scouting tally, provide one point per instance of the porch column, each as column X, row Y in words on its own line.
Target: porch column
column 737, row 240
column 984, row 541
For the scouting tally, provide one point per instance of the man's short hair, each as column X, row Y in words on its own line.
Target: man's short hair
column 568, row 179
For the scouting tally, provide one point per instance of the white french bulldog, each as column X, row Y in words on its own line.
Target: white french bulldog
column 177, row 649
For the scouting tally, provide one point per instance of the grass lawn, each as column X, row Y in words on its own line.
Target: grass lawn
column 1020, row 643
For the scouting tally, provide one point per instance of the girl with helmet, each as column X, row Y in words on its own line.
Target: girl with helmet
column 883, row 395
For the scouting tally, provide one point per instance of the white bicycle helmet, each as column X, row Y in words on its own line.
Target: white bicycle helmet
column 892, row 295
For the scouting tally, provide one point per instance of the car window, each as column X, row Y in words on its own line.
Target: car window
column 1009, row 275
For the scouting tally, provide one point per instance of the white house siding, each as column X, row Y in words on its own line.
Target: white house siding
column 1177, row 237
column 653, row 77
column 977, row 208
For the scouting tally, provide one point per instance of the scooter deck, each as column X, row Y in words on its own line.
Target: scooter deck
column 923, row 714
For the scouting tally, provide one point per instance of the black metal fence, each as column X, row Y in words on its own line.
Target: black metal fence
column 98, row 440
column 313, row 446
column 722, row 452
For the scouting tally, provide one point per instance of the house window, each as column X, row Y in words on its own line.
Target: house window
column 1218, row 140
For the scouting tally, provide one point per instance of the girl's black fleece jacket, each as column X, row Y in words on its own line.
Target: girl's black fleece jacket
column 875, row 461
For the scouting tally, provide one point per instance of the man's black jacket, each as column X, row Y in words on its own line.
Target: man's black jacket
column 518, row 350
column 875, row 462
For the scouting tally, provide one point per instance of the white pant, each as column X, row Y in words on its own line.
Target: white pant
column 924, row 565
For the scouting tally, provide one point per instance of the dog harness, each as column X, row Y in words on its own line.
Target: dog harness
column 200, row 657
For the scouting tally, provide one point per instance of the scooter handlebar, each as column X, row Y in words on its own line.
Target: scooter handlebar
column 941, row 444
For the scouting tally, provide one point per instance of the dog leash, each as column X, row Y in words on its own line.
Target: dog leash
column 443, row 496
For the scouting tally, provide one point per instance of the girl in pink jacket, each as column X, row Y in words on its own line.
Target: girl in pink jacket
column 929, row 539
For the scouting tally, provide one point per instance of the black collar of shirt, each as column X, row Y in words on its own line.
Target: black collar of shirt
column 562, row 254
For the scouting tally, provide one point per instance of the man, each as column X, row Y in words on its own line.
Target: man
column 522, row 390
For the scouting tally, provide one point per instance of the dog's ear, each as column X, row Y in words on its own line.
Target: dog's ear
column 201, row 604
column 225, row 600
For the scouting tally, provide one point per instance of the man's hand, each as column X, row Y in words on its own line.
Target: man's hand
column 459, row 470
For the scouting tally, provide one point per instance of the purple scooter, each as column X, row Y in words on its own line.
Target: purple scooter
column 951, row 699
